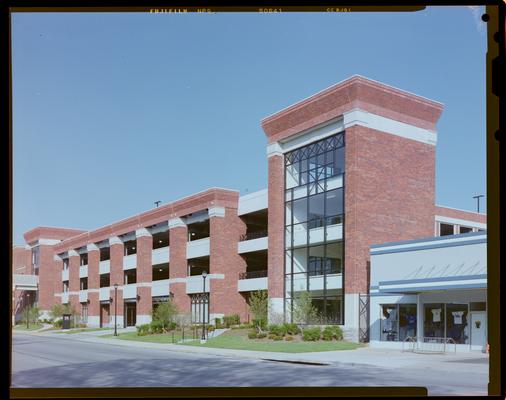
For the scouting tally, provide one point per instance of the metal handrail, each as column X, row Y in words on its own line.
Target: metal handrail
column 253, row 235
column 418, row 343
column 253, row 274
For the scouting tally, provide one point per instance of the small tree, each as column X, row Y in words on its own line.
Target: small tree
column 56, row 311
column 165, row 313
column 304, row 312
column 34, row 314
column 258, row 305
column 184, row 320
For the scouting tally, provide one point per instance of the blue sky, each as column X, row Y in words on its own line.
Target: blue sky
column 113, row 111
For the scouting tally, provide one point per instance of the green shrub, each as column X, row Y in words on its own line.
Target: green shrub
column 288, row 338
column 332, row 332
column 276, row 337
column 143, row 330
column 261, row 335
column 57, row 323
column 291, row 329
column 278, row 330
column 262, row 323
column 229, row 320
column 252, row 335
column 156, row 326
column 271, row 336
column 210, row 328
column 218, row 322
column 311, row 334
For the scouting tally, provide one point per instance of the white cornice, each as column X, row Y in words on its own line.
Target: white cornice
column 115, row 240
column 216, row 211
column 388, row 125
column 176, row 222
column 142, row 232
column 73, row 253
column 92, row 247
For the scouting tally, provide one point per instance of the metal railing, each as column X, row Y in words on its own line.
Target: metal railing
column 253, row 235
column 253, row 274
column 426, row 344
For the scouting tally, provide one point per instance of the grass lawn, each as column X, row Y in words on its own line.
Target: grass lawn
column 83, row 330
column 158, row 338
column 238, row 339
column 32, row 327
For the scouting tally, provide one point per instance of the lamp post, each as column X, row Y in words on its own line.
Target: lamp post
column 478, row 198
column 27, row 308
column 115, row 308
column 204, row 275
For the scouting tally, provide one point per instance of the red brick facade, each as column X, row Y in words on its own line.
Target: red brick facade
column 224, row 259
column 276, row 226
column 389, row 196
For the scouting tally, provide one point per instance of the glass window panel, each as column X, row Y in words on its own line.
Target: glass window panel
column 407, row 320
column 312, row 175
column 445, row 229
column 300, row 234
column 288, row 213
column 299, row 192
column 334, row 255
column 288, row 261
column 465, row 229
column 288, row 236
column 334, row 202
column 299, row 282
column 288, row 195
column 300, row 260
column 292, row 176
column 312, row 189
column 317, row 207
column 316, row 260
column 339, row 160
column 329, row 157
column 320, row 159
column 312, row 163
column 457, row 326
column 303, row 164
column 303, row 178
column 299, row 210
column 333, row 310
column 389, row 322
column 334, row 182
column 434, row 317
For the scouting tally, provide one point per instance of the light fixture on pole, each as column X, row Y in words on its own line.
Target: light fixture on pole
column 115, row 308
column 27, row 310
column 478, row 198
column 203, row 339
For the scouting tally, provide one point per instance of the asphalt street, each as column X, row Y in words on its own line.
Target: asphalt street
column 42, row 361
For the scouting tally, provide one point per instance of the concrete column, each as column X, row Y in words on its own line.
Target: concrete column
column 116, row 275
column 276, row 231
column 225, row 230
column 144, row 275
column 57, row 267
column 74, row 280
column 178, row 273
column 93, row 285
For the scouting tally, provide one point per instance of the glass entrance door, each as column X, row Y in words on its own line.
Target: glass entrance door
column 130, row 314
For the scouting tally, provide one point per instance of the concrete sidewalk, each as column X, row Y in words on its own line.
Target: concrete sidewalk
column 385, row 358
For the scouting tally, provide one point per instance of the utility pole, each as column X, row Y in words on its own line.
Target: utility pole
column 477, row 197
column 157, row 202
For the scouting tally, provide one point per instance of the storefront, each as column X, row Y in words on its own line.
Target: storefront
column 430, row 290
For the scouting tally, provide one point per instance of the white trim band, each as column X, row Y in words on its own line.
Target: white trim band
column 388, row 125
column 458, row 221
column 176, row 222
